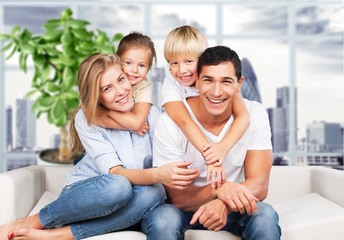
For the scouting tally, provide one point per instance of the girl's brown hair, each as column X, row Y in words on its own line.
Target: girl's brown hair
column 136, row 40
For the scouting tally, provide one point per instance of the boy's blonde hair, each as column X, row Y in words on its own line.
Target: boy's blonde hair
column 184, row 40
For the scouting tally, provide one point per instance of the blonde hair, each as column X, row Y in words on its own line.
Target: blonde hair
column 89, row 74
column 184, row 40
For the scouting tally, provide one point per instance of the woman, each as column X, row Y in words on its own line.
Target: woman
column 108, row 190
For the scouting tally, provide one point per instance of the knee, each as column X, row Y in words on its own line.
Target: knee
column 153, row 194
column 266, row 220
column 163, row 219
column 116, row 188
column 266, row 212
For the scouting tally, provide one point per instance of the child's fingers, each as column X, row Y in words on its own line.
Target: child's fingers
column 213, row 178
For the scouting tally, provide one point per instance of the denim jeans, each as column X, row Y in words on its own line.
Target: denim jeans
column 171, row 223
column 100, row 205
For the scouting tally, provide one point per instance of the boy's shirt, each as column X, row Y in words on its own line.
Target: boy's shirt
column 172, row 90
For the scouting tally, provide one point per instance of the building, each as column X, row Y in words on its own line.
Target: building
column 25, row 125
column 279, row 120
column 324, row 144
column 324, row 137
column 250, row 88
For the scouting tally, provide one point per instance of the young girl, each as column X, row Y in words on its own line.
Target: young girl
column 137, row 53
column 182, row 48
column 107, row 189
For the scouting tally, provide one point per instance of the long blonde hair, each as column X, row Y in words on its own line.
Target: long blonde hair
column 89, row 75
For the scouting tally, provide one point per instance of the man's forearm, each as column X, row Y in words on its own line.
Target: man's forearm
column 258, row 187
column 192, row 198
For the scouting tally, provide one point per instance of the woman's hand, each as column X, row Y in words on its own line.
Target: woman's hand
column 176, row 175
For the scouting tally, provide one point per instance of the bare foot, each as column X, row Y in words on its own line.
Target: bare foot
column 24, row 233
column 5, row 229
column 29, row 222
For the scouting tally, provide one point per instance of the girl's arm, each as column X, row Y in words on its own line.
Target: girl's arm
column 217, row 152
column 177, row 111
column 133, row 120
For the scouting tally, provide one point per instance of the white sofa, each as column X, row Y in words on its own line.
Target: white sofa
column 309, row 200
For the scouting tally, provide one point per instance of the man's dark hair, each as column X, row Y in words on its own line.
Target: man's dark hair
column 219, row 54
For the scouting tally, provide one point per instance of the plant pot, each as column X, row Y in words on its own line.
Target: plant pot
column 50, row 157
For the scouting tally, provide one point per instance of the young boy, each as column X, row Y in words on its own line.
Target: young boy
column 182, row 48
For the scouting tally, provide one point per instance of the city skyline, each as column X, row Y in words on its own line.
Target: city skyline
column 250, row 91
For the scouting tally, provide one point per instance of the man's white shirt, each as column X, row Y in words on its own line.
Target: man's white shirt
column 171, row 145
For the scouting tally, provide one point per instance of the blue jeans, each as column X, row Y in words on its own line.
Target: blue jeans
column 171, row 223
column 100, row 205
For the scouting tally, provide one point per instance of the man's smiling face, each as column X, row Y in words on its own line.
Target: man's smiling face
column 217, row 86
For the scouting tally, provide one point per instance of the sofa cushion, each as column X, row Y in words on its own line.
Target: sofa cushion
column 46, row 198
column 311, row 216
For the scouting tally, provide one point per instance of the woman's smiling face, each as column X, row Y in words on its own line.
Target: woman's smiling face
column 115, row 90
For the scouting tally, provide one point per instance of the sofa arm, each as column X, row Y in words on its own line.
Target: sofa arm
column 20, row 190
column 329, row 183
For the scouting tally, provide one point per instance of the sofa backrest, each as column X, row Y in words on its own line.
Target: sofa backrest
column 288, row 182
column 55, row 177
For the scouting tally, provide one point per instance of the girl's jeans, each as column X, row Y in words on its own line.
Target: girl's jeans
column 100, row 205
column 170, row 223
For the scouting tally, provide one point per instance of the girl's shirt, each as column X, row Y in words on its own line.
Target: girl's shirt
column 106, row 148
column 172, row 90
column 143, row 92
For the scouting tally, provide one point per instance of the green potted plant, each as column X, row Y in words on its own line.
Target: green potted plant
column 56, row 55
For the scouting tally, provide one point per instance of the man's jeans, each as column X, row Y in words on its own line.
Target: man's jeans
column 169, row 223
column 100, row 205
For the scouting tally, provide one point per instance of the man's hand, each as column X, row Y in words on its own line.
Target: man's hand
column 238, row 197
column 176, row 175
column 212, row 215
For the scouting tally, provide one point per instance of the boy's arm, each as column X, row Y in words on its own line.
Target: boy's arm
column 217, row 152
column 133, row 120
column 177, row 111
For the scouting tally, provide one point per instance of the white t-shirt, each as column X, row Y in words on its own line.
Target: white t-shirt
column 172, row 90
column 171, row 145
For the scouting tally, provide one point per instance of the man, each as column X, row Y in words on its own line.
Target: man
column 235, row 206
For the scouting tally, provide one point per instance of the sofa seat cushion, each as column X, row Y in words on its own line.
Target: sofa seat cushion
column 45, row 199
column 311, row 216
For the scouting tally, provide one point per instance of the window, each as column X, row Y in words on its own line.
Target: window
column 292, row 52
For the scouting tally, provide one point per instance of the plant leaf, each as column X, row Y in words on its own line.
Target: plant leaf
column 7, row 46
column 67, row 78
column 66, row 38
column 52, row 35
column 78, row 23
column 51, row 25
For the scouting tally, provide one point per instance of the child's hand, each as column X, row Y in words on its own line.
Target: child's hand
column 143, row 130
column 216, row 175
column 214, row 153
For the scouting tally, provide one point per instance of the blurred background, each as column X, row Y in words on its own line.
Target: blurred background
column 292, row 53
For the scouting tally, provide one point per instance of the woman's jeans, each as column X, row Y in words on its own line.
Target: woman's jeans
column 170, row 223
column 100, row 205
